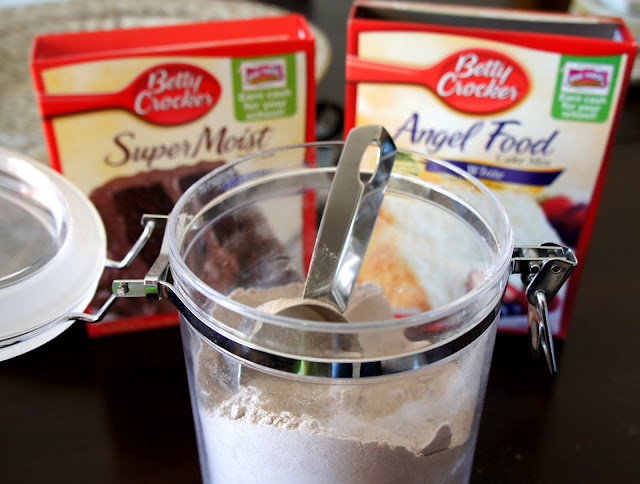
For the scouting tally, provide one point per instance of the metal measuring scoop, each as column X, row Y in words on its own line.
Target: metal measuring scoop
column 346, row 227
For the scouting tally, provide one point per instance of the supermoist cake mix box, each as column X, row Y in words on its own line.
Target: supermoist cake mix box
column 135, row 116
column 526, row 101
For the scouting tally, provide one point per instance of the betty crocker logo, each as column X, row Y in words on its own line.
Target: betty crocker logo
column 165, row 94
column 480, row 81
column 174, row 93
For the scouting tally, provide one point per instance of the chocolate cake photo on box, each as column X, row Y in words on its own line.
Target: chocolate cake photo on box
column 235, row 242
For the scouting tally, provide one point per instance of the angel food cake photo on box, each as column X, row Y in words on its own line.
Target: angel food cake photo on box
column 527, row 102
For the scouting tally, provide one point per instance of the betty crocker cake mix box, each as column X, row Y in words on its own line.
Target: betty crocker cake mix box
column 135, row 116
column 526, row 101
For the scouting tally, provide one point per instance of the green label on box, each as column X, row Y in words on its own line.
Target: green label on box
column 584, row 88
column 264, row 87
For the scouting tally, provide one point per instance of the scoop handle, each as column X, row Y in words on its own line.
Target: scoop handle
column 349, row 216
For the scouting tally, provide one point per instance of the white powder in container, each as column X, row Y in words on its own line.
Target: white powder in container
column 417, row 427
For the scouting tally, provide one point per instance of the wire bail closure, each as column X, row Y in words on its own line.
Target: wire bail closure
column 135, row 288
column 544, row 269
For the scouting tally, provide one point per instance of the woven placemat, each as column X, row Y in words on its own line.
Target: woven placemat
column 20, row 126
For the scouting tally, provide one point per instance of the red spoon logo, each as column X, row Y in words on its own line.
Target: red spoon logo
column 166, row 94
column 481, row 81
column 478, row 81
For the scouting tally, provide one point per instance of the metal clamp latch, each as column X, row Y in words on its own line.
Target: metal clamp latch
column 148, row 287
column 135, row 288
column 544, row 269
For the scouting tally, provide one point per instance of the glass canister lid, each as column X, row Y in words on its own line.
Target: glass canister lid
column 52, row 252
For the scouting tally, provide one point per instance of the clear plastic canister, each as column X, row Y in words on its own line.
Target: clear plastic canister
column 394, row 395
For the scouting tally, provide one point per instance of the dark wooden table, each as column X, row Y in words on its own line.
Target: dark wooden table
column 116, row 410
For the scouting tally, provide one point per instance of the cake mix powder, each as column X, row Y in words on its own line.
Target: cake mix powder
column 254, row 426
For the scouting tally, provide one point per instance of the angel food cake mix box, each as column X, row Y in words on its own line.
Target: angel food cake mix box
column 528, row 102
column 135, row 116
